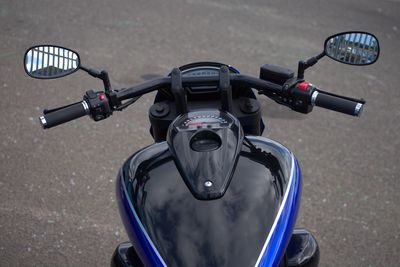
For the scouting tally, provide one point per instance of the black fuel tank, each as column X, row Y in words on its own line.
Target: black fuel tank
column 222, row 232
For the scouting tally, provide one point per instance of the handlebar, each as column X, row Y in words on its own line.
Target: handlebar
column 165, row 82
column 64, row 114
column 297, row 94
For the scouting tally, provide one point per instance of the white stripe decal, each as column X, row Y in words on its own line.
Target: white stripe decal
column 279, row 213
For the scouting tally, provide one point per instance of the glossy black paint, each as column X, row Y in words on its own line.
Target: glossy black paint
column 185, row 229
column 206, row 145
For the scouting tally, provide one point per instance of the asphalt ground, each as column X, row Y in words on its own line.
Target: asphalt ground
column 57, row 200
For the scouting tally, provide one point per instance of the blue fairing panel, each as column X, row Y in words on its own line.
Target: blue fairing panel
column 280, row 234
column 135, row 230
column 251, row 223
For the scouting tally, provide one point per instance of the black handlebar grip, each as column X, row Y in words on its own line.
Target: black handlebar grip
column 336, row 103
column 64, row 114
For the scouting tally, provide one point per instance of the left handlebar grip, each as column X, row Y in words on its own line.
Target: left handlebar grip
column 64, row 114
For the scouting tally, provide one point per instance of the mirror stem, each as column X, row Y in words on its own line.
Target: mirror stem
column 303, row 65
column 106, row 81
column 103, row 75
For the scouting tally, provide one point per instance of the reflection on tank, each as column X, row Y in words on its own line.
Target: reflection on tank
column 171, row 213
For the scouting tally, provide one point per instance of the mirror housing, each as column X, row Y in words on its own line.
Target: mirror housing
column 353, row 48
column 50, row 61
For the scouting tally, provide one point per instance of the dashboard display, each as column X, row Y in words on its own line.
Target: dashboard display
column 201, row 72
column 210, row 121
column 203, row 119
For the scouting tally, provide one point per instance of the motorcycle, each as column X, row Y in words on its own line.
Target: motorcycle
column 210, row 191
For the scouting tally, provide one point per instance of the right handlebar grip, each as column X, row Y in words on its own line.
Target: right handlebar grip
column 337, row 104
column 64, row 114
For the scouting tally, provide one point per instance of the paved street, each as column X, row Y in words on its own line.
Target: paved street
column 57, row 187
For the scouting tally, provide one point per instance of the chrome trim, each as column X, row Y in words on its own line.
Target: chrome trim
column 42, row 121
column 358, row 109
column 314, row 97
column 85, row 106
column 208, row 183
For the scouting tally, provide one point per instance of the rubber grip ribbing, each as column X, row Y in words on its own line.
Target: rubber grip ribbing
column 64, row 114
column 338, row 104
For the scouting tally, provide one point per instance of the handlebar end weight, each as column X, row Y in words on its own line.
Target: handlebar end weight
column 358, row 109
column 43, row 122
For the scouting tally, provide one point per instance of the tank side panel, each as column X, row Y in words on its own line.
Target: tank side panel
column 133, row 226
column 282, row 231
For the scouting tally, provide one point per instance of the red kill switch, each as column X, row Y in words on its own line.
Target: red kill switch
column 102, row 97
column 303, row 86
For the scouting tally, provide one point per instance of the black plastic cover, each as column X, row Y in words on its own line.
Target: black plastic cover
column 125, row 256
column 302, row 250
column 206, row 145
column 275, row 74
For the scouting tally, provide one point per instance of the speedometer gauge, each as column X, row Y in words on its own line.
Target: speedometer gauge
column 201, row 72
column 210, row 119
column 207, row 120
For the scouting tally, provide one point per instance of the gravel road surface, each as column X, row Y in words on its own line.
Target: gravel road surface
column 57, row 199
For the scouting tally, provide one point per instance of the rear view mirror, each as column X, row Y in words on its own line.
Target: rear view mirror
column 48, row 61
column 354, row 48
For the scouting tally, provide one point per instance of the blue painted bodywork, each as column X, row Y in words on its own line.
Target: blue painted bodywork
column 134, row 228
column 281, row 235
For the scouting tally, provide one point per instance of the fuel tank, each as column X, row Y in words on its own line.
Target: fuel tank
column 249, row 224
column 208, row 196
